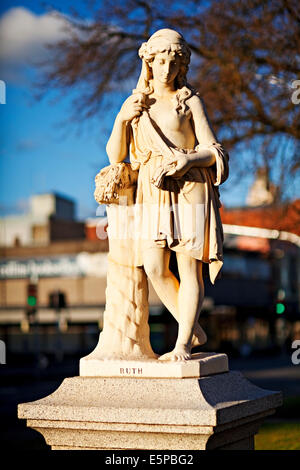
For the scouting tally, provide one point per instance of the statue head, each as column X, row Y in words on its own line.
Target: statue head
column 164, row 40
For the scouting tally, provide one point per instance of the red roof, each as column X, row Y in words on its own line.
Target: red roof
column 284, row 218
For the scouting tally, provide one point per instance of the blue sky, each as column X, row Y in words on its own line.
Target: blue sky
column 37, row 152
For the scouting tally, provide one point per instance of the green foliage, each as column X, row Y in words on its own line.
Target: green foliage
column 278, row 436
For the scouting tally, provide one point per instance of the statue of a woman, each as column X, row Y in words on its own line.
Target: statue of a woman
column 164, row 129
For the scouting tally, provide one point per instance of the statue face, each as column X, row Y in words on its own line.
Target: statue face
column 165, row 67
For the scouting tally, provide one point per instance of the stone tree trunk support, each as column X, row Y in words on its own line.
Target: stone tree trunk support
column 126, row 332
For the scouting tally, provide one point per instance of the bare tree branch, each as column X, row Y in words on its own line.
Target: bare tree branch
column 246, row 54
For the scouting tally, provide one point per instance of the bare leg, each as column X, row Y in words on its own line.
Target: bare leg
column 167, row 287
column 190, row 299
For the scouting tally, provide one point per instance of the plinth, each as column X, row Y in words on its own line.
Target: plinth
column 194, row 407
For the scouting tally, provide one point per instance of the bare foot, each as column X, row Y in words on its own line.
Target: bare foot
column 181, row 352
column 199, row 337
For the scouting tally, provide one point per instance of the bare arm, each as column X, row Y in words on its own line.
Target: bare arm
column 204, row 156
column 118, row 143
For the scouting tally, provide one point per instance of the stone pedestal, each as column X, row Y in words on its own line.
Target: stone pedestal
column 219, row 411
column 201, row 365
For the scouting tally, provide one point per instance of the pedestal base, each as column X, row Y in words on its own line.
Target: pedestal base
column 221, row 411
column 201, row 365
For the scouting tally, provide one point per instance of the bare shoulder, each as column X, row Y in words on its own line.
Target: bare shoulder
column 202, row 125
column 195, row 103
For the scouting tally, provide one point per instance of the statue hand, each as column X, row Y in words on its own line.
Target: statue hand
column 180, row 164
column 132, row 107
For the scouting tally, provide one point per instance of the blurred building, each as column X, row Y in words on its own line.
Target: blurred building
column 51, row 217
column 262, row 192
column 256, row 302
column 266, row 239
column 60, row 253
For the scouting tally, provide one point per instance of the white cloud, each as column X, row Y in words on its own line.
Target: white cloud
column 23, row 36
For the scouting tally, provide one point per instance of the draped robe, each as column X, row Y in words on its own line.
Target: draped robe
column 181, row 214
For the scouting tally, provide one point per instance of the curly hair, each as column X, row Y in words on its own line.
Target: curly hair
column 167, row 40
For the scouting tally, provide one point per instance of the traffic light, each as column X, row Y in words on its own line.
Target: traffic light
column 280, row 308
column 32, row 297
column 31, row 305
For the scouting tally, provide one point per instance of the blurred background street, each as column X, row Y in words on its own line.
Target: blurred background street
column 64, row 73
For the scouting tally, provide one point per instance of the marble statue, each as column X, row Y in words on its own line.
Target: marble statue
column 161, row 194
column 161, row 191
